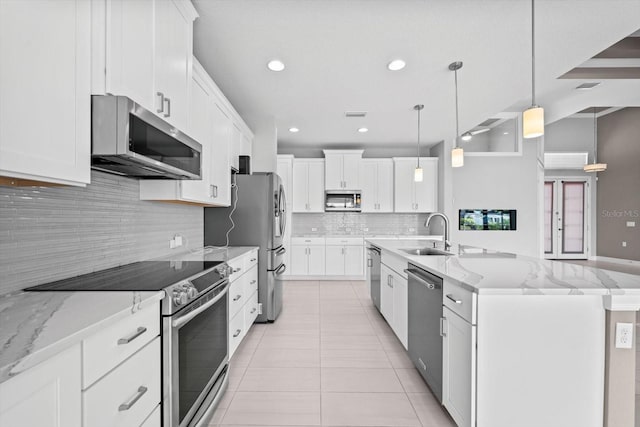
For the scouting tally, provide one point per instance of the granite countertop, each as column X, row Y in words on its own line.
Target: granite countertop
column 485, row 271
column 211, row 254
column 377, row 236
column 38, row 325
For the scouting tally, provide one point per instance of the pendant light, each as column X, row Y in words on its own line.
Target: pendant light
column 533, row 117
column 457, row 154
column 595, row 166
column 417, row 175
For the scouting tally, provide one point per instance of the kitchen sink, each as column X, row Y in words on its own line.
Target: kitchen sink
column 426, row 251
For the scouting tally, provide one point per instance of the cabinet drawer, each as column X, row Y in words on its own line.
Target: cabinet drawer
column 250, row 311
column 460, row 300
column 236, row 332
column 128, row 394
column 106, row 349
column 250, row 282
column 154, row 419
column 237, row 268
column 394, row 262
column 307, row 241
column 236, row 296
column 250, row 260
column 344, row 241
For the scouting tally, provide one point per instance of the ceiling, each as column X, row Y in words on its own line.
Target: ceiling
column 336, row 52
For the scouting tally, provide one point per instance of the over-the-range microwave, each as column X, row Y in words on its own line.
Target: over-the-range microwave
column 342, row 201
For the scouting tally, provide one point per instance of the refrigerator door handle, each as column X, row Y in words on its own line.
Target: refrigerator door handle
column 281, row 251
column 280, row 270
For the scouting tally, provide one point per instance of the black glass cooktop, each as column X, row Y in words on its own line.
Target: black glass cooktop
column 138, row 276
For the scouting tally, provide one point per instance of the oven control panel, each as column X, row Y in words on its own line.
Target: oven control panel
column 183, row 293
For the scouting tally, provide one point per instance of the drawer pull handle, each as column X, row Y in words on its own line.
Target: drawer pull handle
column 452, row 298
column 126, row 406
column 237, row 333
column 235, row 270
column 253, row 310
column 237, row 297
column 252, row 259
column 252, row 282
column 141, row 330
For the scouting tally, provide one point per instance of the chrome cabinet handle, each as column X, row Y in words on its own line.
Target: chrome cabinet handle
column 161, row 109
column 253, row 310
column 369, row 262
column 237, row 297
column 168, row 102
column 452, row 298
column 126, row 340
column 126, row 406
column 237, row 332
column 252, row 282
column 235, row 270
column 442, row 332
column 252, row 259
column 213, row 191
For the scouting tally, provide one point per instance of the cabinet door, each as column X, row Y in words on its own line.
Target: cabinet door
column 335, row 260
column 384, row 181
column 45, row 82
column 426, row 192
column 173, row 56
column 316, row 186
column 47, row 395
column 351, row 171
column 300, row 186
column 459, row 368
column 333, row 172
column 400, row 308
column 404, row 185
column 221, row 173
column 299, row 261
column 369, row 187
column 316, row 261
column 354, row 260
column 386, row 293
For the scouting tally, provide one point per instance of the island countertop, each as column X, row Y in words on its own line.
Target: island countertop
column 487, row 271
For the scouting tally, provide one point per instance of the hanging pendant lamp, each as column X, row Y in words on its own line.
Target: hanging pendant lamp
column 417, row 175
column 595, row 166
column 457, row 154
column 533, row 117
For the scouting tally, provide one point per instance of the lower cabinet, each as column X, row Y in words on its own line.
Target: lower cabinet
column 307, row 256
column 394, row 299
column 243, row 298
column 344, row 256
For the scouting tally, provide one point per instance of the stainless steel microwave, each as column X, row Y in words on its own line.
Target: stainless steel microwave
column 342, row 201
column 129, row 140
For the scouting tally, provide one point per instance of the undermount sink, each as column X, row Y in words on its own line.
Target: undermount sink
column 426, row 251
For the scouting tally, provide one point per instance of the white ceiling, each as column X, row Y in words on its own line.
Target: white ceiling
column 336, row 51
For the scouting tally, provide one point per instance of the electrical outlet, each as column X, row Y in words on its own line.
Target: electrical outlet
column 631, row 223
column 314, row 228
column 178, row 240
column 172, row 243
column 624, row 244
column 365, row 229
column 624, row 335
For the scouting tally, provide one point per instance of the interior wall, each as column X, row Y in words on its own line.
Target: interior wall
column 264, row 152
column 619, row 186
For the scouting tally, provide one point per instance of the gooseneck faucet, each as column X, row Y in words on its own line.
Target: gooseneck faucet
column 447, row 243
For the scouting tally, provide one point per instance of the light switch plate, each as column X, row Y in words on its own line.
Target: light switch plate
column 631, row 223
column 624, row 335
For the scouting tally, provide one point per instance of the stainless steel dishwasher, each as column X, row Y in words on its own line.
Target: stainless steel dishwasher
column 373, row 274
column 424, row 339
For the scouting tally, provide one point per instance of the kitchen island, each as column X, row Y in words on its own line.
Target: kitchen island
column 525, row 342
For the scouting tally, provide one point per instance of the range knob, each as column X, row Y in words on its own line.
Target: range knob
column 180, row 297
column 192, row 292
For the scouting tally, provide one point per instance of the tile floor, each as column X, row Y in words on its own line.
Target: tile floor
column 330, row 359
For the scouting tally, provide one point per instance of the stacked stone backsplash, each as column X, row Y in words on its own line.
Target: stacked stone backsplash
column 52, row 233
column 357, row 224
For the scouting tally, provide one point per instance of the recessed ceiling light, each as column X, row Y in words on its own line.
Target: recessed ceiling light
column 363, row 130
column 275, row 65
column 506, row 133
column 294, row 130
column 396, row 65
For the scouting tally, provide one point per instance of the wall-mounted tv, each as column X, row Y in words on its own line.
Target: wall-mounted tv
column 487, row 219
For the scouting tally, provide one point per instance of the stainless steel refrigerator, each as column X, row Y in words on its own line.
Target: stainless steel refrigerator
column 260, row 220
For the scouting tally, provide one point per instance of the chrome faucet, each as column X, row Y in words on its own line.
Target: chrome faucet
column 447, row 243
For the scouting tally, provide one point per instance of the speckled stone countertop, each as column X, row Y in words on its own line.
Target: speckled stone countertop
column 211, row 254
column 486, row 271
column 35, row 326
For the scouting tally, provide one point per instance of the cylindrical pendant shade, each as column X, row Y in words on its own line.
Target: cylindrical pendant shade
column 457, row 157
column 533, row 122
column 417, row 175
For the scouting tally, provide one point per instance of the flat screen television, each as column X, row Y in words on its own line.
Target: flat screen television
column 487, row 219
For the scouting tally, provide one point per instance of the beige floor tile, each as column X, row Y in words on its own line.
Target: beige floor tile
column 360, row 380
column 351, row 329
column 353, row 358
column 412, row 381
column 290, row 341
column 390, row 343
column 399, row 359
column 367, row 409
column 216, row 419
column 429, row 410
column 354, row 342
column 285, row 358
column 277, row 408
column 235, row 375
column 281, row 379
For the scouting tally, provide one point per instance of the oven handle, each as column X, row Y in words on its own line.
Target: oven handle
column 179, row 322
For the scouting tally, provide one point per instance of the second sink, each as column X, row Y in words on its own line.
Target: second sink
column 426, row 251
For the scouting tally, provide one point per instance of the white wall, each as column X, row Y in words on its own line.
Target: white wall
column 264, row 156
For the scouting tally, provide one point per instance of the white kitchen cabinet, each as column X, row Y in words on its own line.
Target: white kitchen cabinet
column 342, row 169
column 308, row 185
column 344, row 256
column 307, row 256
column 45, row 82
column 243, row 297
column 411, row 196
column 47, row 395
column 376, row 179
column 386, row 293
column 394, row 295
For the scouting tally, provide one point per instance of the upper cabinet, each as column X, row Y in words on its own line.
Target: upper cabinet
column 342, row 169
column 411, row 196
column 376, row 179
column 308, row 185
column 45, row 106
column 144, row 50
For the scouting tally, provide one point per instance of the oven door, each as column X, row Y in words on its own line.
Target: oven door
column 195, row 359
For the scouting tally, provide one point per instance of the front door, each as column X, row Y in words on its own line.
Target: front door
column 566, row 207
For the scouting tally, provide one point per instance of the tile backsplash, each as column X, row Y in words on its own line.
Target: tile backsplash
column 350, row 223
column 51, row 233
